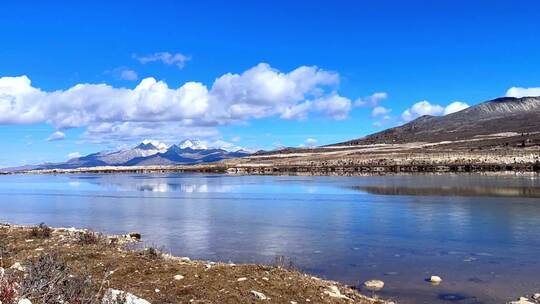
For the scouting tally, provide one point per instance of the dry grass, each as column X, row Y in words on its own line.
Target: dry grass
column 89, row 267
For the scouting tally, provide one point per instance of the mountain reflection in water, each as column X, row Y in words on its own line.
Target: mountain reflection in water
column 452, row 191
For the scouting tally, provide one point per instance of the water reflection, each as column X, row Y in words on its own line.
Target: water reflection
column 336, row 227
column 453, row 191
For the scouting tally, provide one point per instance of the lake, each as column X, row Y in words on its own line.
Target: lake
column 480, row 233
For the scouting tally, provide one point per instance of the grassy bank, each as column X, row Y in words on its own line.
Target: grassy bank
column 48, row 265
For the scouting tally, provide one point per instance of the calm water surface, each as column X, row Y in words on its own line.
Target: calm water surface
column 481, row 234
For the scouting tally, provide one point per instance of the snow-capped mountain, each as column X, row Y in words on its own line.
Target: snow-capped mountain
column 149, row 152
column 193, row 144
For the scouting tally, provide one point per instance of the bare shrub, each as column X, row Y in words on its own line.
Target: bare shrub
column 284, row 262
column 89, row 237
column 41, row 231
column 49, row 280
column 151, row 253
column 8, row 290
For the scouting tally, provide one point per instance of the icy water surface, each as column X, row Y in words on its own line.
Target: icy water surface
column 481, row 234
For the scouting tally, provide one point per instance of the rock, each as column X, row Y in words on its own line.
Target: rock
column 266, row 279
column 134, row 235
column 241, row 279
column 24, row 301
column 435, row 280
column 259, row 295
column 521, row 300
column 17, row 266
column 113, row 296
column 178, row 277
column 2, row 272
column 334, row 292
column 185, row 259
column 536, row 296
column 374, row 285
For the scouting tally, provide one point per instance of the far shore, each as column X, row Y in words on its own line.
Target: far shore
column 94, row 266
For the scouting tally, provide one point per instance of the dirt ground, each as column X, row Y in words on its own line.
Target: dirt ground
column 112, row 262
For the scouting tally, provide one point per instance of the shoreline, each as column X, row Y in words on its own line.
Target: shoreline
column 112, row 261
column 531, row 168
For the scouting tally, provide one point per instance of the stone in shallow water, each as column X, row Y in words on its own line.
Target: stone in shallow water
column 374, row 285
column 521, row 300
column 435, row 280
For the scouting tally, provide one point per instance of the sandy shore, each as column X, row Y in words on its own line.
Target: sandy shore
column 94, row 264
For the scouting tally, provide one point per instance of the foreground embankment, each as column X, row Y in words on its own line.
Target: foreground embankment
column 45, row 265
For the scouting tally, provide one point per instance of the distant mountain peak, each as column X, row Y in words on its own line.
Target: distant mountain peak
column 192, row 144
column 149, row 144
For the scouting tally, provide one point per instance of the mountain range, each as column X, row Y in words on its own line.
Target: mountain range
column 504, row 117
column 148, row 152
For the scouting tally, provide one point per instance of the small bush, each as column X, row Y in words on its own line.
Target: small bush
column 8, row 291
column 41, row 231
column 88, row 237
column 49, row 279
column 284, row 262
column 151, row 253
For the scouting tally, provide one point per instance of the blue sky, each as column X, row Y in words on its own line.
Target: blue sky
column 439, row 52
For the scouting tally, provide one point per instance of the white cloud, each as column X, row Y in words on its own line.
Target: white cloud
column 130, row 75
column 380, row 111
column 383, row 121
column 153, row 110
column 56, row 136
column 522, row 92
column 371, row 101
column 454, row 107
column 167, row 58
column 308, row 143
column 74, row 155
column 424, row 107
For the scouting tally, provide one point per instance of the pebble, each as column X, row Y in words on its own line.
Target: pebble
column 17, row 266
column 259, row 295
column 334, row 292
column 435, row 280
column 374, row 285
column 111, row 297
column 178, row 277
column 241, row 279
column 266, row 279
column 185, row 259
column 24, row 301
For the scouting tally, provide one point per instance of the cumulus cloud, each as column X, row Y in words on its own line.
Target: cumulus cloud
column 426, row 108
column 178, row 59
column 56, row 136
column 380, row 111
column 154, row 110
column 371, row 101
column 74, row 155
column 454, row 107
column 522, row 92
